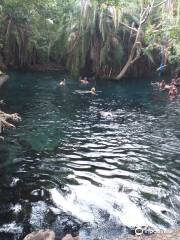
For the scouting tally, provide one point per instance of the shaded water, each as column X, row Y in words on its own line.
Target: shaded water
column 95, row 164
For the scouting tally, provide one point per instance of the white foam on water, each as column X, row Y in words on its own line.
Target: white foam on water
column 11, row 228
column 16, row 208
column 88, row 202
column 38, row 214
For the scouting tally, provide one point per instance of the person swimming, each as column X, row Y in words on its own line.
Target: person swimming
column 84, row 81
column 167, row 87
column 62, row 83
column 173, row 92
column 176, row 80
column 173, row 81
column 93, row 91
column 163, row 86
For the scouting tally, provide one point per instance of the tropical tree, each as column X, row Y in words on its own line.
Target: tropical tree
column 102, row 37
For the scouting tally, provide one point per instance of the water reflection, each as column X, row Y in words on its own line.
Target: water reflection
column 98, row 164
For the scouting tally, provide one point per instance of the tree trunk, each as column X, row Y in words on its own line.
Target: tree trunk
column 137, row 46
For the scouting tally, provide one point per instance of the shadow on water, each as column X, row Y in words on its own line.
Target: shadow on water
column 94, row 165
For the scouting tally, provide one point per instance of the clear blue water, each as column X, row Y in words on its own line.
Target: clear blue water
column 97, row 165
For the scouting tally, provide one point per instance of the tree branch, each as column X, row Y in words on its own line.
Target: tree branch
column 128, row 27
column 157, row 5
column 147, row 11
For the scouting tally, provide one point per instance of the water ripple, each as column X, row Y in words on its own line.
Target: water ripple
column 99, row 159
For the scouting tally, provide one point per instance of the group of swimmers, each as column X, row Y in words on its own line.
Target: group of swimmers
column 83, row 81
column 172, row 87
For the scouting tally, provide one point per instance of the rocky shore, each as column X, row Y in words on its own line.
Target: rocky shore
column 50, row 235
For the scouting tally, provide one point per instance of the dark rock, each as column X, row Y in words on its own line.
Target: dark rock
column 50, row 217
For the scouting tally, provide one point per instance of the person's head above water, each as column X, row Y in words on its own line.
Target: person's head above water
column 62, row 83
column 84, row 80
column 93, row 90
column 162, row 83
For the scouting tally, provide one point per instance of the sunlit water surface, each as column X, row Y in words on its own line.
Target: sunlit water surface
column 97, row 165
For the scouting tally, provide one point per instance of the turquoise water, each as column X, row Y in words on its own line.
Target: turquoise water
column 93, row 165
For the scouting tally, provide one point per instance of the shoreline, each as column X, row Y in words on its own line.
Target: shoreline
column 50, row 235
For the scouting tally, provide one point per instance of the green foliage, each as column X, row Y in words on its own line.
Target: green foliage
column 72, row 31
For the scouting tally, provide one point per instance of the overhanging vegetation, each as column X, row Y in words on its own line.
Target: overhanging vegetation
column 109, row 38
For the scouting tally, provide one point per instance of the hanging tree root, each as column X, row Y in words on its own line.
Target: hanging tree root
column 4, row 121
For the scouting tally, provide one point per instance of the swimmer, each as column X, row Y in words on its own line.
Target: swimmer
column 162, row 85
column 173, row 92
column 167, row 87
column 174, row 81
column 93, row 91
column 62, row 83
column 84, row 81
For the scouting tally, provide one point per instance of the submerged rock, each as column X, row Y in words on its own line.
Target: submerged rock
column 41, row 235
column 48, row 235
